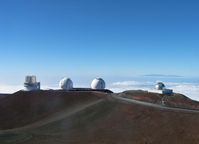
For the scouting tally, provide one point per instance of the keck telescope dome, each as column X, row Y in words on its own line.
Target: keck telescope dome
column 66, row 84
column 98, row 83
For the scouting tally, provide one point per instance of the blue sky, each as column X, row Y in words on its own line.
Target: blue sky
column 98, row 37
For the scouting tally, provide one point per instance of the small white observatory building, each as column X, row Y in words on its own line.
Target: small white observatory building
column 31, row 83
column 98, row 83
column 66, row 84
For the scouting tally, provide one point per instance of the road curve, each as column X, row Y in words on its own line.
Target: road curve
column 55, row 117
column 153, row 105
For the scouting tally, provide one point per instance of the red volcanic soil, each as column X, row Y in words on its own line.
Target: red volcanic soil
column 173, row 100
column 112, row 121
column 23, row 108
column 179, row 100
column 3, row 96
column 142, row 96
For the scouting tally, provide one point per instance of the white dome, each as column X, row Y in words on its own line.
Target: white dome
column 66, row 84
column 160, row 86
column 98, row 83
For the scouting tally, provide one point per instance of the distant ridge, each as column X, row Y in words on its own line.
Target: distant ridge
column 162, row 75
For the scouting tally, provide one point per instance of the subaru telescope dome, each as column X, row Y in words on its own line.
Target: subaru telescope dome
column 66, row 84
column 98, row 83
column 160, row 86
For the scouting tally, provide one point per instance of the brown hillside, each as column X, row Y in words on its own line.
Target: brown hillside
column 173, row 100
column 3, row 96
column 23, row 108
column 109, row 122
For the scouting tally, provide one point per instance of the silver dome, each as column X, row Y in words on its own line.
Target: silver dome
column 98, row 83
column 160, row 86
column 66, row 84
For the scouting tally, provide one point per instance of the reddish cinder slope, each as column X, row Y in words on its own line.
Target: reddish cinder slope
column 23, row 108
column 142, row 96
column 173, row 100
column 3, row 96
column 115, row 122
column 111, row 121
column 179, row 100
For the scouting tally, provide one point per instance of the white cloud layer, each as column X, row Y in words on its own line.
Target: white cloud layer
column 10, row 88
column 189, row 89
column 15, row 88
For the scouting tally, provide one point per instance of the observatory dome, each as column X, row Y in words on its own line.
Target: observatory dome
column 66, row 84
column 160, row 86
column 98, row 83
